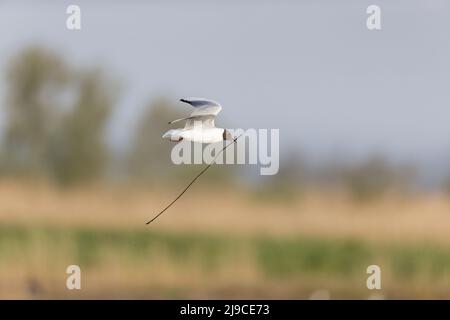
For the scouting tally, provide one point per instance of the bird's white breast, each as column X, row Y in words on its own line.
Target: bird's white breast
column 203, row 135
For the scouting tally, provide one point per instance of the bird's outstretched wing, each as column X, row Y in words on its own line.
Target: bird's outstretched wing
column 204, row 107
column 203, row 121
column 205, row 112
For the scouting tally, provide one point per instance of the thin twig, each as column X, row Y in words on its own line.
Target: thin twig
column 193, row 180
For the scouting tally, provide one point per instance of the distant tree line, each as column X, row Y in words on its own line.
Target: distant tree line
column 56, row 116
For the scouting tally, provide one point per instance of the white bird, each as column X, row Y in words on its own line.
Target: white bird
column 199, row 128
column 200, row 125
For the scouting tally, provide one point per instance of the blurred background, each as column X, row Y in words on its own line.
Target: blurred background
column 364, row 150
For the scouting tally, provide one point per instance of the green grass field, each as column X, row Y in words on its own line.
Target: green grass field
column 140, row 262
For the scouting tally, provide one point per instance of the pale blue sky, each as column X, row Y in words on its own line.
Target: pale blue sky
column 310, row 68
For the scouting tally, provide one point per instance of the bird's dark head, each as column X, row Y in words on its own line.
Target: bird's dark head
column 227, row 135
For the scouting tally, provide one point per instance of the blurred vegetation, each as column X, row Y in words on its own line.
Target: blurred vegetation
column 56, row 119
column 275, row 259
column 288, row 184
column 375, row 177
column 34, row 79
column 57, row 115
column 149, row 156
